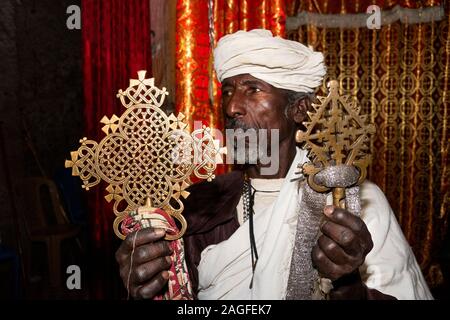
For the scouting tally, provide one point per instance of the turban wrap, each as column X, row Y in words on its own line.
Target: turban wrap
column 282, row 63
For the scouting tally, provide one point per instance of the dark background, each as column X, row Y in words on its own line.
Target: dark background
column 41, row 101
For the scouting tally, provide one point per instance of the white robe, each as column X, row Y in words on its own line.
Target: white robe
column 225, row 268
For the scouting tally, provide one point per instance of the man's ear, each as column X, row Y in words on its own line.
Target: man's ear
column 298, row 110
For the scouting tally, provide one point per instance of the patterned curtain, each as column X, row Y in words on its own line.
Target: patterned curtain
column 400, row 75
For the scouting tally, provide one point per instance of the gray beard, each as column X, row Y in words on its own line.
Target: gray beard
column 250, row 154
column 247, row 155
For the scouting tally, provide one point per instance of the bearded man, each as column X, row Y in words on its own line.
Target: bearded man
column 247, row 237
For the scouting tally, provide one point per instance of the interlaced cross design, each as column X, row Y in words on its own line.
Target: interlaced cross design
column 145, row 154
column 337, row 134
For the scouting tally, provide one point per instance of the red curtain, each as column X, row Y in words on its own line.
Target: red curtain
column 116, row 44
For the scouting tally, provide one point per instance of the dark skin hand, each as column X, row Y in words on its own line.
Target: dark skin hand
column 151, row 260
column 253, row 103
column 342, row 247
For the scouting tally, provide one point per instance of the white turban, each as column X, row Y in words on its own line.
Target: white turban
column 282, row 63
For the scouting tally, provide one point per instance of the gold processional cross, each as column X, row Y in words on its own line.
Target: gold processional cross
column 336, row 134
column 146, row 157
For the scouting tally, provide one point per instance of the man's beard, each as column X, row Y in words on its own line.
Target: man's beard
column 245, row 150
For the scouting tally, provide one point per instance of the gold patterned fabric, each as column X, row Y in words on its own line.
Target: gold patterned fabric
column 400, row 75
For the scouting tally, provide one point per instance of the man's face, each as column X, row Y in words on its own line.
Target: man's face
column 250, row 103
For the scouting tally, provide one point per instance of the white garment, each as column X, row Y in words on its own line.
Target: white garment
column 225, row 269
column 267, row 191
column 282, row 63
column 390, row 267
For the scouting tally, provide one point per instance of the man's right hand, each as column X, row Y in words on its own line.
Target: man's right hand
column 151, row 260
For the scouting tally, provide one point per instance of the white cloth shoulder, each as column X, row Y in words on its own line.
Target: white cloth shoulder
column 225, row 269
column 390, row 267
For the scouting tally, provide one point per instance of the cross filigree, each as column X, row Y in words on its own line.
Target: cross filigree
column 337, row 134
column 146, row 156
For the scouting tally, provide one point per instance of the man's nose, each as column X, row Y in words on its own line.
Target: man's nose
column 235, row 107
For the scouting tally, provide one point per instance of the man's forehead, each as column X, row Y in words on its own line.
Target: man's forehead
column 242, row 79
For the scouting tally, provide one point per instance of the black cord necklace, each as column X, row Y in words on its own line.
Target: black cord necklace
column 248, row 194
column 248, row 201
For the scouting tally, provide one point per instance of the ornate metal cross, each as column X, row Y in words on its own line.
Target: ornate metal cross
column 146, row 157
column 336, row 135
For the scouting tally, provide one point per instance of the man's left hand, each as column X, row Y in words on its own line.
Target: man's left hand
column 343, row 246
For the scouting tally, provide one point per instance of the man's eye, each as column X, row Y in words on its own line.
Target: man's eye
column 255, row 89
column 226, row 93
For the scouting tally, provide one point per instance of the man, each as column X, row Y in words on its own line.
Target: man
column 266, row 84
